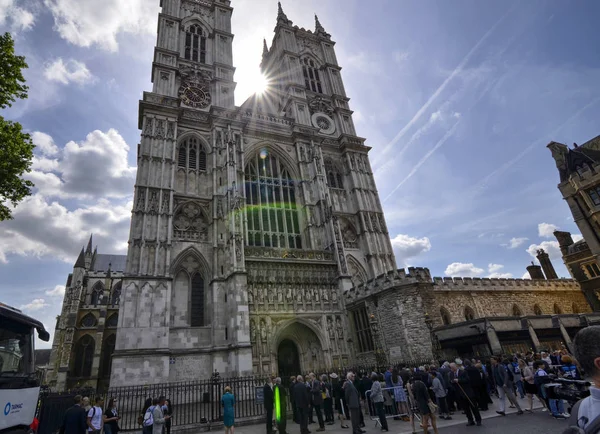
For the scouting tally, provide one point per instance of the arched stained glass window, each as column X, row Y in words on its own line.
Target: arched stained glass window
column 112, row 321
column 107, row 351
column 84, row 357
column 312, row 81
column 272, row 215
column 195, row 44
column 97, row 293
column 115, row 297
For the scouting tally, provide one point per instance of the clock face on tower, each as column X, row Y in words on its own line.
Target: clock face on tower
column 195, row 96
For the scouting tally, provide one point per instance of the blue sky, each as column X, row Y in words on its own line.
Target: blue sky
column 456, row 98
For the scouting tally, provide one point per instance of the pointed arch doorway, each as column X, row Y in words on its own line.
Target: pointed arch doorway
column 288, row 359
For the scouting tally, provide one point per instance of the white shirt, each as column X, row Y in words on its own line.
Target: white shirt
column 96, row 414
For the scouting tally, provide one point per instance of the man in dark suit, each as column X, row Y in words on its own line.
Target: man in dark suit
column 317, row 400
column 465, row 394
column 353, row 401
column 75, row 421
column 302, row 400
column 268, row 402
column 294, row 410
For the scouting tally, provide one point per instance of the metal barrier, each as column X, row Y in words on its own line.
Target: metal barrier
column 390, row 405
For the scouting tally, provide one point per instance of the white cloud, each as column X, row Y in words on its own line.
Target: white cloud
column 40, row 228
column 71, row 71
column 96, row 167
column 406, row 247
column 515, row 242
column 550, row 247
column 494, row 270
column 459, row 269
column 546, row 230
column 90, row 22
column 58, row 291
column 36, row 304
column 20, row 18
column 44, row 143
column 526, row 276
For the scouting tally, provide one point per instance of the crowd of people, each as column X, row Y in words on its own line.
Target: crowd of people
column 413, row 394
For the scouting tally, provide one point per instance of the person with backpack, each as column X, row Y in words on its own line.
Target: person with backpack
column 585, row 414
column 148, row 418
column 94, row 417
column 504, row 384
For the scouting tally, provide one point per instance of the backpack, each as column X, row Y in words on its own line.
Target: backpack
column 149, row 416
column 592, row 428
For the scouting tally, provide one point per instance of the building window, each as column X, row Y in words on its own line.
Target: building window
column 84, row 357
column 575, row 308
column 445, row 316
column 88, row 321
column 197, row 302
column 557, row 309
column 516, row 310
column 107, row 353
column 594, row 194
column 115, row 297
column 97, row 294
column 189, row 223
column 195, row 44
column 363, row 330
column 334, row 177
column 192, row 155
column 112, row 321
column 537, row 310
column 312, row 81
column 592, row 270
column 469, row 314
column 272, row 215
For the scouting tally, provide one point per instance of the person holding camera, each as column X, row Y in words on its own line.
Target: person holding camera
column 585, row 415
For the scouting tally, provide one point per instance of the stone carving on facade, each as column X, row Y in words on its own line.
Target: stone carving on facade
column 324, row 295
column 148, row 128
column 153, row 203
column 330, row 328
column 348, row 234
column 190, row 223
column 316, row 295
column 279, row 295
column 252, row 331
column 307, row 295
column 298, row 295
column 334, row 296
column 320, row 105
column 165, row 203
column 339, row 328
column 270, row 295
column 160, row 129
column 250, row 295
column 259, row 295
column 69, row 335
column 170, row 130
column 200, row 7
column 288, row 295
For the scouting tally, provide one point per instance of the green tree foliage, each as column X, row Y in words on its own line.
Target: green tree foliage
column 16, row 147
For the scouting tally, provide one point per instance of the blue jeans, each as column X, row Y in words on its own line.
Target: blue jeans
column 107, row 429
column 557, row 407
column 519, row 385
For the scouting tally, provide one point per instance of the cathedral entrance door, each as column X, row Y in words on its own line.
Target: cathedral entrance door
column 288, row 359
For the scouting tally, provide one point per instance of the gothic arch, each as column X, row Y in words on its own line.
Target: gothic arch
column 194, row 134
column 84, row 356
column 191, row 222
column 88, row 321
column 469, row 313
column 195, row 19
column 115, row 296
column 358, row 275
column 333, row 172
column 557, row 309
column 575, row 308
column 97, row 293
column 446, row 318
column 290, row 164
column 516, row 311
column 349, row 233
column 537, row 310
column 306, row 52
column 190, row 295
column 108, row 348
column 302, row 332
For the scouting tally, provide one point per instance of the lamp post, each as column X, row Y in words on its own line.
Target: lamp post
column 380, row 355
column 435, row 343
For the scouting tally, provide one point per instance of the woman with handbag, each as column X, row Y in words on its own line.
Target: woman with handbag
column 424, row 404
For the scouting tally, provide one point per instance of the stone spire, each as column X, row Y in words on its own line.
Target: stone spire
column 281, row 16
column 80, row 263
column 89, row 246
column 265, row 48
column 319, row 29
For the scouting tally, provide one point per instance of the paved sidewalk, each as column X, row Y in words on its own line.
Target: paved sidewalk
column 400, row 427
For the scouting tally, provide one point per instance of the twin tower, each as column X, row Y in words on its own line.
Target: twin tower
column 249, row 222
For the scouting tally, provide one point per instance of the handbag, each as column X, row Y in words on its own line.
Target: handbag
column 432, row 407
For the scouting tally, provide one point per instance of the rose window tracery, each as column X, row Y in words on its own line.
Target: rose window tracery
column 190, row 224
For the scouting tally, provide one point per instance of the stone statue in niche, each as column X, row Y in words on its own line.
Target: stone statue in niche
column 324, row 295
column 308, row 295
column 252, row 331
column 263, row 331
column 316, row 295
column 259, row 295
column 339, row 327
column 279, row 295
column 330, row 328
column 334, row 295
column 298, row 295
column 238, row 253
column 250, row 295
column 270, row 295
column 288, row 295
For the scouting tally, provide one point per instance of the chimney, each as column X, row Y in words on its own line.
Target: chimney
column 564, row 241
column 535, row 272
column 546, row 264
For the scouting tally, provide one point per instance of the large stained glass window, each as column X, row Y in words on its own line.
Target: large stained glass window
column 271, row 210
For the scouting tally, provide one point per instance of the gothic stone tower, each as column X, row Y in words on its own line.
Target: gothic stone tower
column 249, row 222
